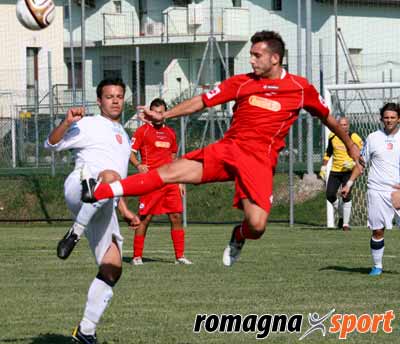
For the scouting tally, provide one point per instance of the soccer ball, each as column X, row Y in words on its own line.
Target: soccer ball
column 35, row 14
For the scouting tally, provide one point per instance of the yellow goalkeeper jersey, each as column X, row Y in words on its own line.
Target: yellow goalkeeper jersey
column 336, row 149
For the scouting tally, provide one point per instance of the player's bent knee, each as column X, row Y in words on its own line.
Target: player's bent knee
column 109, row 275
column 258, row 228
column 109, row 176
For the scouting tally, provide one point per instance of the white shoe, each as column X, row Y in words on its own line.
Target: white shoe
column 232, row 251
column 137, row 261
column 183, row 261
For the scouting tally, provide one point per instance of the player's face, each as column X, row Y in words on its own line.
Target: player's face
column 158, row 109
column 344, row 123
column 390, row 121
column 262, row 60
column 111, row 102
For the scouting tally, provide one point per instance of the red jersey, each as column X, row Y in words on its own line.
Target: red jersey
column 265, row 108
column 156, row 146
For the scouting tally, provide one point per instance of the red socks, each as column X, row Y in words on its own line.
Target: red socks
column 246, row 233
column 135, row 185
column 138, row 245
column 178, row 240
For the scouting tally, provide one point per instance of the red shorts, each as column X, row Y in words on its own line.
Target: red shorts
column 162, row 201
column 252, row 170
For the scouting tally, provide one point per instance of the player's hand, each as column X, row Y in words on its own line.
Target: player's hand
column 142, row 168
column 74, row 115
column 148, row 116
column 322, row 173
column 182, row 189
column 131, row 219
column 345, row 191
column 396, row 199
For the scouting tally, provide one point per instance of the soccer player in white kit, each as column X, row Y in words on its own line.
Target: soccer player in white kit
column 382, row 152
column 100, row 143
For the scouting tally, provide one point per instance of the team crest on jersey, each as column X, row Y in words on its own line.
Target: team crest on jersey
column 162, row 144
column 265, row 103
column 216, row 90
column 119, row 138
column 389, row 146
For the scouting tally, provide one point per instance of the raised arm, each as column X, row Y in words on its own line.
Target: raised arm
column 73, row 115
column 185, row 108
column 351, row 147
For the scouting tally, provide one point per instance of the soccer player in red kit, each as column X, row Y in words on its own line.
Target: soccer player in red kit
column 267, row 102
column 156, row 143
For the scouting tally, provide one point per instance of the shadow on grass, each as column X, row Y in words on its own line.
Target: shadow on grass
column 148, row 260
column 359, row 270
column 48, row 338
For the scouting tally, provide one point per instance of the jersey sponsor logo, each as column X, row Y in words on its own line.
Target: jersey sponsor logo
column 213, row 92
column 162, row 144
column 119, row 138
column 265, row 103
column 322, row 101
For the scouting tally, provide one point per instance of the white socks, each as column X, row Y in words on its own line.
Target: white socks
column 377, row 249
column 99, row 296
column 346, row 213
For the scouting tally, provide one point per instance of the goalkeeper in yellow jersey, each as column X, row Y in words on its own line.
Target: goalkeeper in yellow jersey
column 340, row 172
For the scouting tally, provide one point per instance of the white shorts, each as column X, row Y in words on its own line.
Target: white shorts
column 103, row 227
column 380, row 210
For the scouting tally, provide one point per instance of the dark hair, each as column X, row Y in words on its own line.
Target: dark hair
column 158, row 102
column 274, row 41
column 109, row 82
column 390, row 107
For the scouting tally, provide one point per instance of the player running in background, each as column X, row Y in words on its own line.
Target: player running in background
column 156, row 143
column 382, row 152
column 342, row 166
column 267, row 102
column 101, row 143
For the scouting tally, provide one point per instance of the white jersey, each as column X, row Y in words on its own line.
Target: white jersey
column 97, row 142
column 382, row 151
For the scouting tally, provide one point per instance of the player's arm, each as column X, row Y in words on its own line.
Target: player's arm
column 185, row 108
column 354, row 175
column 73, row 115
column 130, row 217
column 142, row 168
column 352, row 148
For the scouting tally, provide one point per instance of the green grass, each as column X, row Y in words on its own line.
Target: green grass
column 299, row 270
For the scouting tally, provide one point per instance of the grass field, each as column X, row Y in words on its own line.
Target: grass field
column 299, row 270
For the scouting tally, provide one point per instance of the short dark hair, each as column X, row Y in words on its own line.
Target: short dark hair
column 109, row 82
column 274, row 41
column 390, row 107
column 158, row 102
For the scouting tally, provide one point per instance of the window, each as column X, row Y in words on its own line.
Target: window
column 78, row 74
column 32, row 73
column 141, row 82
column 277, row 5
column 117, row 6
column 237, row 3
column 66, row 11
column 112, row 67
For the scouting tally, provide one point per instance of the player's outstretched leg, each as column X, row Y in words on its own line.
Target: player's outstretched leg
column 234, row 248
column 79, row 337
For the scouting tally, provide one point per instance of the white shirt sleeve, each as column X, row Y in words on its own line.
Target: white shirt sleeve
column 365, row 151
column 74, row 138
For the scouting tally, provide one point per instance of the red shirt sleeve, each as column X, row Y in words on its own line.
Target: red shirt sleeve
column 222, row 93
column 314, row 103
column 137, row 139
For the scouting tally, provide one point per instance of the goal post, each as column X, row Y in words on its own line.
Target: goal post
column 360, row 103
